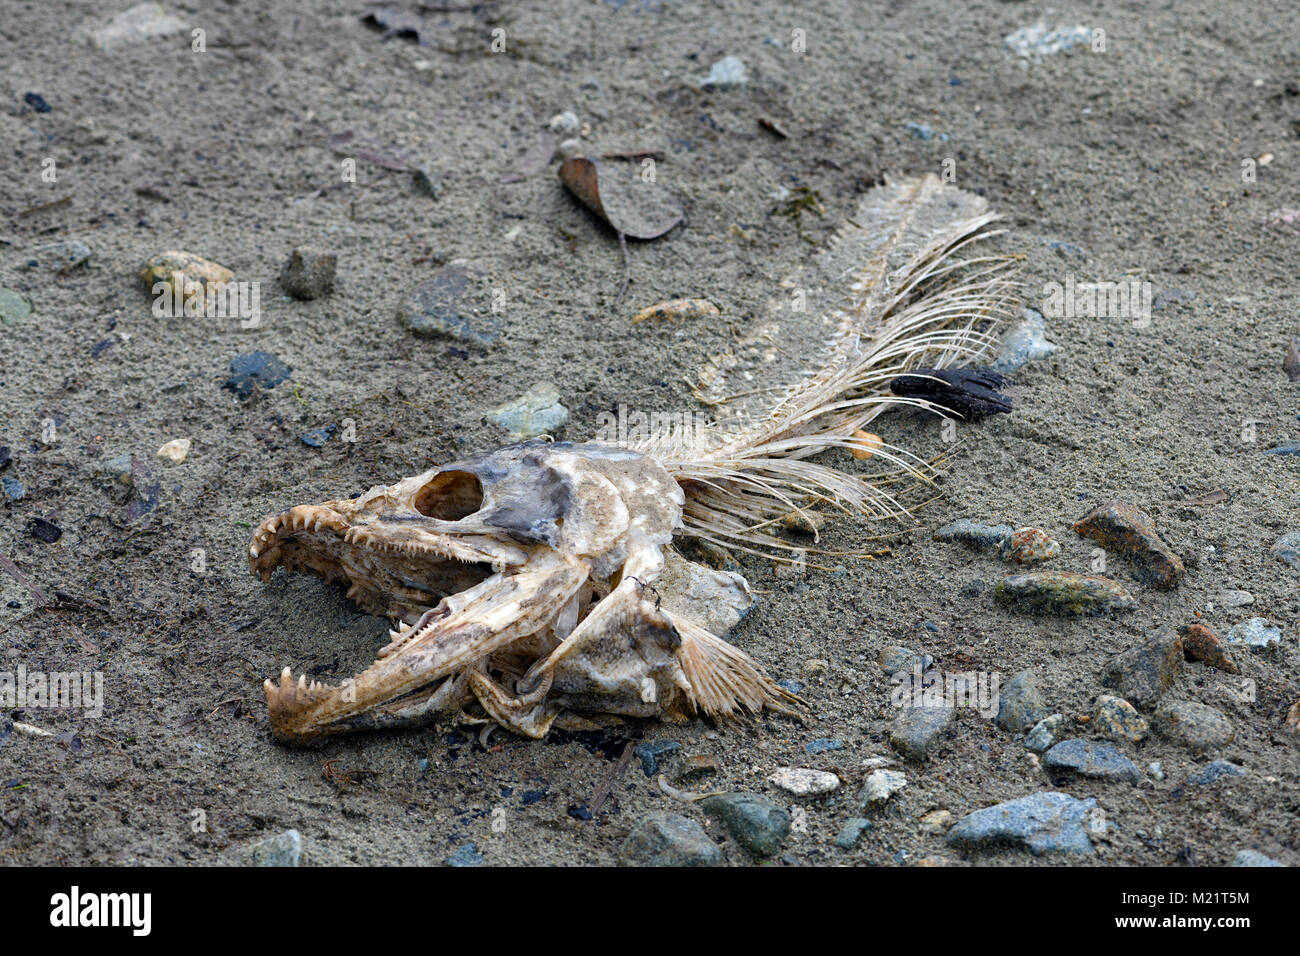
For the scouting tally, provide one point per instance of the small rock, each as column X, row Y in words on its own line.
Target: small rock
column 823, row 745
column 144, row 21
column 803, row 782
column 1198, row 727
column 36, row 102
column 284, row 849
column 916, row 730
column 317, row 437
column 967, row 531
column 1045, row 733
column 1213, row 770
column 804, row 522
column 717, row 600
column 1116, row 719
column 793, row 686
column 755, row 822
column 815, row 667
column 14, row 306
column 1037, row 41
column 466, row 855
column 901, row 660
column 59, row 257
column 1028, row 546
column 726, row 74
column 426, row 182
column 1125, row 529
column 190, row 269
column 1292, row 721
column 254, row 370
column 1254, row 858
column 936, row 822
column 1024, row 344
column 851, row 832
column 650, row 752
column 1202, row 645
column 175, row 450
column 922, row 131
column 864, row 444
column 1141, row 674
column 1091, row 759
column 1043, row 822
column 873, row 763
column 880, row 786
column 1287, row 547
column 1286, row 448
column 1064, row 593
column 309, row 273
column 1236, row 598
column 537, row 412
column 1255, row 634
column 453, row 304
column 13, row 488
column 565, row 124
column 1020, row 703
column 668, row 839
column 43, row 530
column 1167, row 297
column 1156, row 769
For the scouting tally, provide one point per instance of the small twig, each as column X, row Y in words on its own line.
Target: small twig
column 615, row 774
column 627, row 270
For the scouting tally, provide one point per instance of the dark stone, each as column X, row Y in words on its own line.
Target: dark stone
column 1213, row 771
column 1141, row 674
column 755, row 822
column 650, row 752
column 252, row 370
column 1020, row 703
column 452, row 305
column 46, row 531
column 309, row 273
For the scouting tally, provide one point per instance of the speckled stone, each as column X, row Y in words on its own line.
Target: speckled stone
column 1213, row 771
column 1116, row 719
column 1028, row 546
column 1198, row 727
column 1254, row 858
column 1287, row 548
column 851, row 832
column 804, row 782
column 284, row 849
column 1257, row 634
column 1125, row 529
column 1064, row 593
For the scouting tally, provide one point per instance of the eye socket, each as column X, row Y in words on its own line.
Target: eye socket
column 450, row 496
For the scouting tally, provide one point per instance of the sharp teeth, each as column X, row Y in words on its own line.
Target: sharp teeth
column 286, row 677
column 302, row 682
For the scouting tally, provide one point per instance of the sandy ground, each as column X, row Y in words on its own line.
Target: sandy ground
column 1131, row 158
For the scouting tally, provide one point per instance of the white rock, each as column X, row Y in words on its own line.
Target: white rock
column 175, row 450
column 144, row 21
column 803, row 782
column 880, row 786
column 565, row 124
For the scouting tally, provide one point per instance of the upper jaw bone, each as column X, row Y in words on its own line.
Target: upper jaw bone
column 463, row 629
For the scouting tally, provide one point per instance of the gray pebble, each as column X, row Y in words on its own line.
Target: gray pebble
column 916, row 730
column 1020, row 703
column 974, row 533
column 755, row 822
column 1256, row 634
column 1141, row 674
column 466, row 855
column 1213, row 770
column 1254, row 858
column 851, row 832
column 668, row 839
column 1198, row 727
column 453, row 304
column 309, row 273
column 1025, row 343
column 284, row 849
column 537, row 412
column 1287, row 548
column 650, row 752
column 1045, row 733
column 1043, row 822
column 1090, row 758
